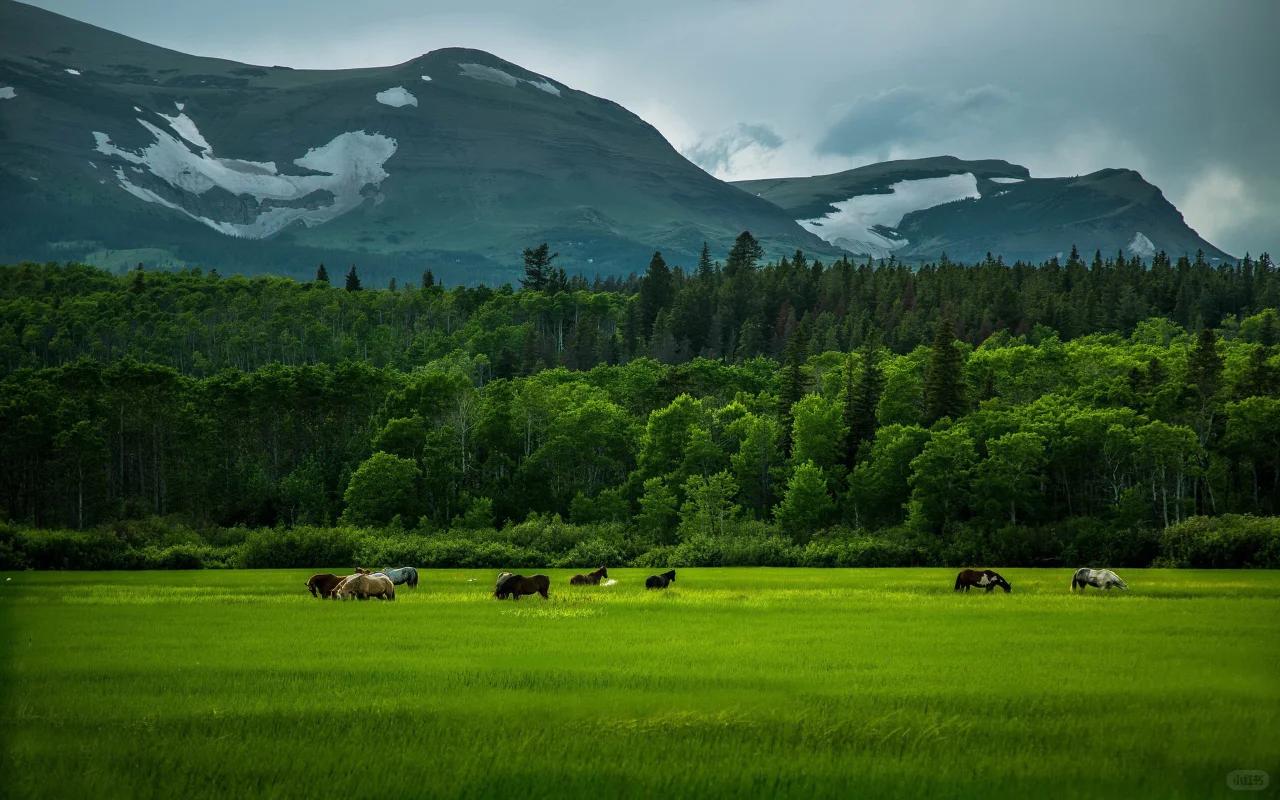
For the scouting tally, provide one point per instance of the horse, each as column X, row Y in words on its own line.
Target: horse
column 515, row 585
column 366, row 586
column 969, row 578
column 1101, row 578
column 322, row 584
column 660, row 581
column 400, row 575
column 591, row 578
column 363, row 571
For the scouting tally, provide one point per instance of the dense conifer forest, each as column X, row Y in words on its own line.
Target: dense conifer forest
column 732, row 412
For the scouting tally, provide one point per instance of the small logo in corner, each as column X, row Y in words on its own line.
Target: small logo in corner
column 1248, row 780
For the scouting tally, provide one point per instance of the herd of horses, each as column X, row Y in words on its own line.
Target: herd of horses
column 364, row 584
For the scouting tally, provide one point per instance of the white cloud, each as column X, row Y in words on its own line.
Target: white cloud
column 1218, row 203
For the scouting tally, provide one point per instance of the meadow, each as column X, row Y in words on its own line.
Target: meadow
column 735, row 682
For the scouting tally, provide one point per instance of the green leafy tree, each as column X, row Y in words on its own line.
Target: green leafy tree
column 1009, row 478
column 383, row 487
column 657, row 510
column 709, row 505
column 806, row 506
column 818, row 432
column 940, row 480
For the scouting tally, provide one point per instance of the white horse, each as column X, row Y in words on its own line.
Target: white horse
column 1101, row 578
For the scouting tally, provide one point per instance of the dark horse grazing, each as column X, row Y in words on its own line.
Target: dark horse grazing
column 322, row 585
column 968, row 578
column 515, row 585
column 590, row 579
column 660, row 581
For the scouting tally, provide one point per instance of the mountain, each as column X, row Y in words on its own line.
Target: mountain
column 919, row 209
column 115, row 151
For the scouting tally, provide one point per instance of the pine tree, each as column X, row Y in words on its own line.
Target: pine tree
column 353, row 280
column 322, row 275
column 944, row 389
column 863, row 389
column 705, row 269
column 391, row 287
column 428, row 280
column 744, row 255
column 793, row 381
column 1204, row 365
column 538, row 272
column 655, row 291
column 139, row 284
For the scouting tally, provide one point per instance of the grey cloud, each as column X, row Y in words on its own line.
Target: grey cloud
column 906, row 114
column 715, row 154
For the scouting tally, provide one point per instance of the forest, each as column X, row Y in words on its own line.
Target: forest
column 788, row 412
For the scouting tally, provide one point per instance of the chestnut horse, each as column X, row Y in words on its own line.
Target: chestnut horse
column 322, row 584
column 969, row 578
column 515, row 585
column 660, row 581
column 591, row 578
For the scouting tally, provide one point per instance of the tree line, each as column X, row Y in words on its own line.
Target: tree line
column 473, row 409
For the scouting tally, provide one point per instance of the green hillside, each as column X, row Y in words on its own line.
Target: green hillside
column 112, row 148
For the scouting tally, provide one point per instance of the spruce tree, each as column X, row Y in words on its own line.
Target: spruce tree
column 944, row 389
column 744, row 256
column 1204, row 365
column 793, row 381
column 863, row 389
column 353, row 280
column 655, row 291
column 705, row 269
column 538, row 272
column 322, row 275
column 428, row 280
column 391, row 287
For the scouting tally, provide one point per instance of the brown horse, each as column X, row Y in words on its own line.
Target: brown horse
column 968, row 578
column 515, row 585
column 365, row 586
column 363, row 571
column 590, row 579
column 322, row 584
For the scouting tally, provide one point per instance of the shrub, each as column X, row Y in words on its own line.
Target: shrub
column 1231, row 541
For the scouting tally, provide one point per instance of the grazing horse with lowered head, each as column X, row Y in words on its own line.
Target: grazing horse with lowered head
column 515, row 585
column 590, row 579
column 1101, row 578
column 406, row 575
column 660, row 581
column 968, row 578
column 322, row 584
column 366, row 586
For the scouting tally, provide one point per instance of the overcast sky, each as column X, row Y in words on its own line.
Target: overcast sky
column 1184, row 92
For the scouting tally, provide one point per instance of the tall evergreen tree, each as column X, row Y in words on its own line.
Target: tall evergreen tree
column 428, row 280
column 863, row 388
column 792, row 381
column 944, row 388
column 655, row 291
column 322, row 275
column 705, row 268
column 538, row 271
column 353, row 280
column 744, row 255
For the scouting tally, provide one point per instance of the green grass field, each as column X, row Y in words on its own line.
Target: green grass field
column 736, row 682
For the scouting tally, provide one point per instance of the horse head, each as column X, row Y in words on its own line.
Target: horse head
column 1003, row 584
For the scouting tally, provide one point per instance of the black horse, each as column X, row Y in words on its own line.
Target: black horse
column 515, row 585
column 660, row 581
column 968, row 578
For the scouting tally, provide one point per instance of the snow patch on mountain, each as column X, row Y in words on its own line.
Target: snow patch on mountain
column 7, row 93
column 187, row 129
column 426, row 77
column 1005, row 180
column 345, row 166
column 1140, row 245
column 482, row 73
column 397, row 97
column 864, row 224
column 75, row 72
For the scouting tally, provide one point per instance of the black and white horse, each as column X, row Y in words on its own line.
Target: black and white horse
column 982, row 578
column 1101, row 578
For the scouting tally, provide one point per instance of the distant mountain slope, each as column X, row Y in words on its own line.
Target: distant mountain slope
column 920, row 208
column 114, row 150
